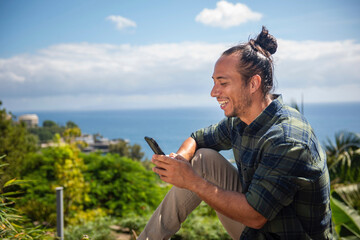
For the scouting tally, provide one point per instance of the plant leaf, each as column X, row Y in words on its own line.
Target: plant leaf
column 345, row 215
column 10, row 182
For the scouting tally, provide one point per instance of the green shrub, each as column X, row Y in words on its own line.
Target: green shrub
column 99, row 229
column 122, row 185
column 14, row 225
column 202, row 224
column 133, row 222
column 53, row 167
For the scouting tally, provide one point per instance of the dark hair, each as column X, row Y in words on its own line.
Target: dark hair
column 255, row 58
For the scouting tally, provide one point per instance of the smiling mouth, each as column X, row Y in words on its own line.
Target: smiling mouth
column 223, row 103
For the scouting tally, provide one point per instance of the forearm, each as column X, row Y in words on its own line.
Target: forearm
column 231, row 204
column 188, row 148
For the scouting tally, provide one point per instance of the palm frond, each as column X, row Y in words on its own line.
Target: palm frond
column 346, row 217
column 349, row 193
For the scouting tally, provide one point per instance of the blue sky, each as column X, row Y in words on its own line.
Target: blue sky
column 89, row 55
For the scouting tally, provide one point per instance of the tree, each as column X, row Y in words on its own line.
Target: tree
column 55, row 166
column 121, row 148
column 16, row 143
column 49, row 124
column 71, row 124
column 124, row 149
column 343, row 157
column 136, row 153
column 70, row 134
column 47, row 132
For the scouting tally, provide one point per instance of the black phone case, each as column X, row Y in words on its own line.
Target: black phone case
column 154, row 146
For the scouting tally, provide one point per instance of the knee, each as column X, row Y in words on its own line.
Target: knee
column 202, row 155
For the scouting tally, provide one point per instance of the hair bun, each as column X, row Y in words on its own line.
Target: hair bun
column 266, row 41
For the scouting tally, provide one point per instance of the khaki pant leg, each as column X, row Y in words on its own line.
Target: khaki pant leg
column 219, row 171
column 179, row 203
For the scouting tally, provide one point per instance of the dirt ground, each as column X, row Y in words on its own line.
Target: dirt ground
column 123, row 234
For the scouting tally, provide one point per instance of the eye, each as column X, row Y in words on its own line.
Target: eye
column 223, row 83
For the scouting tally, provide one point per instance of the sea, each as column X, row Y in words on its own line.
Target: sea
column 170, row 127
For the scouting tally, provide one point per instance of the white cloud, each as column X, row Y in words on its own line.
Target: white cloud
column 113, row 69
column 11, row 77
column 121, row 22
column 227, row 15
column 105, row 76
column 324, row 94
column 317, row 64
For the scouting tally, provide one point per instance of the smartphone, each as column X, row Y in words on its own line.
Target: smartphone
column 154, row 146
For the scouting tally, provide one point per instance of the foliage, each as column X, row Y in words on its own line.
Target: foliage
column 69, row 169
column 121, row 185
column 82, row 216
column 71, row 124
column 134, row 222
column 98, row 229
column 202, row 224
column 344, row 157
column 348, row 193
column 70, row 134
column 346, row 218
column 343, row 141
column 47, row 132
column 12, row 224
column 54, row 166
column 124, row 149
column 15, row 143
column 94, row 185
column 49, row 129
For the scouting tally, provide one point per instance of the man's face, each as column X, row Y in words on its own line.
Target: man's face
column 229, row 87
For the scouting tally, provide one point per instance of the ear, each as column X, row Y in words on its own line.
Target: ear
column 255, row 83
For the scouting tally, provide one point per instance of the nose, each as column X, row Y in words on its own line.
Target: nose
column 214, row 91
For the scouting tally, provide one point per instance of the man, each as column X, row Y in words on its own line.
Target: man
column 281, row 187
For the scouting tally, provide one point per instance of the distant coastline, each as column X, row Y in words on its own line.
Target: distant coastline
column 171, row 126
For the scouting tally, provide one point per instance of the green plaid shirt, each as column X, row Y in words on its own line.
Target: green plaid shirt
column 283, row 171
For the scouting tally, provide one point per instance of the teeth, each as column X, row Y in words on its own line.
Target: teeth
column 222, row 103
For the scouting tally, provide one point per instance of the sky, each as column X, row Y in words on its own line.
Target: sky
column 112, row 54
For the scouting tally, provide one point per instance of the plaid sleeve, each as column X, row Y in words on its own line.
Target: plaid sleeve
column 280, row 174
column 216, row 136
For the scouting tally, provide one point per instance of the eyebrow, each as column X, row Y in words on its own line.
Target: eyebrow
column 219, row 78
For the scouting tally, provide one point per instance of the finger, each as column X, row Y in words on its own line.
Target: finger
column 159, row 171
column 173, row 155
column 161, row 158
column 160, row 164
column 160, row 161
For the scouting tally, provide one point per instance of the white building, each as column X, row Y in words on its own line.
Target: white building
column 31, row 120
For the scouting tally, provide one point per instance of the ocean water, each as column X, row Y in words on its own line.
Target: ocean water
column 170, row 127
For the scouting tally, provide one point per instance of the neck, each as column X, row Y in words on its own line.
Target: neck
column 257, row 107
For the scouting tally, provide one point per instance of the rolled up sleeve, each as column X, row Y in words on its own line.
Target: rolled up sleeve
column 216, row 136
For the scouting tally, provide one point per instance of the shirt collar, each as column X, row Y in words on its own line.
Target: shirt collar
column 267, row 114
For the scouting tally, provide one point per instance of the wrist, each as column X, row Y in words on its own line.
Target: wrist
column 198, row 185
column 184, row 155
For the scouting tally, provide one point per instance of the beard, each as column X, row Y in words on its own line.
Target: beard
column 242, row 106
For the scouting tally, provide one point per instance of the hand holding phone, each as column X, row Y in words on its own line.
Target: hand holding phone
column 154, row 146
